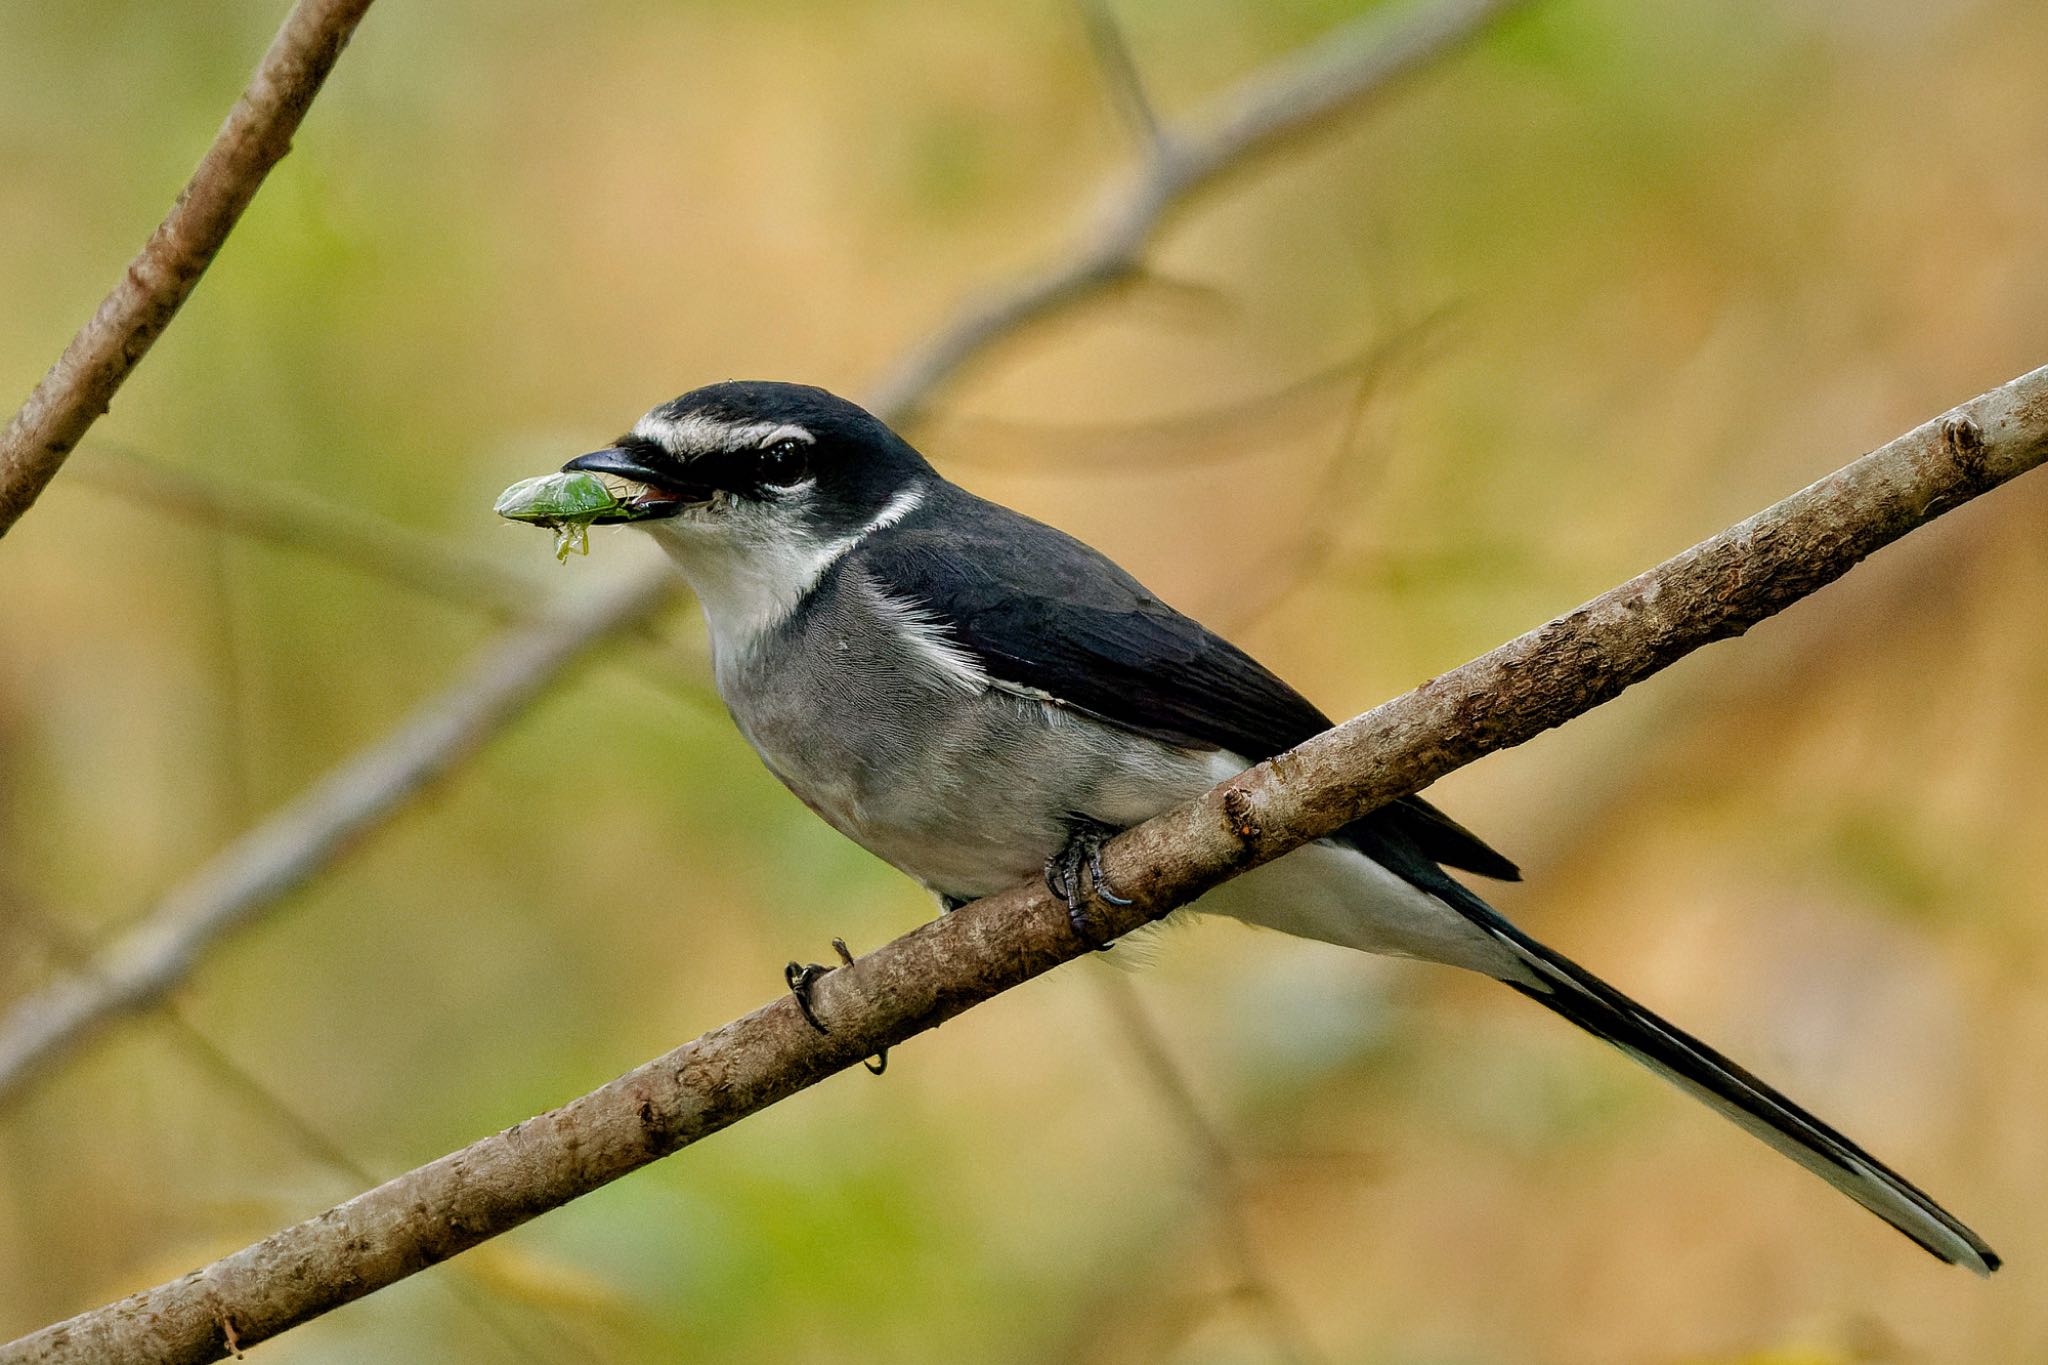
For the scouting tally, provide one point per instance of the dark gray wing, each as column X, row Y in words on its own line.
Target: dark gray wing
column 1041, row 610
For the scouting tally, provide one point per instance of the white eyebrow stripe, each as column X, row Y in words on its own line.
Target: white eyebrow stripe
column 697, row 434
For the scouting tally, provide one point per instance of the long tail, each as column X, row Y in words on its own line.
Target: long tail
column 1559, row 984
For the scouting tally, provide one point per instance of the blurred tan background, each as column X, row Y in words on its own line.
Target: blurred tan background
column 1626, row 272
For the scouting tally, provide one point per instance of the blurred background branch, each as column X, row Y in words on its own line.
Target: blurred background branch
column 378, row 548
column 1264, row 114
column 1714, row 591
column 283, row 851
column 319, row 1145
column 1267, row 111
column 222, row 500
column 1222, row 1179
column 1126, row 83
column 255, row 137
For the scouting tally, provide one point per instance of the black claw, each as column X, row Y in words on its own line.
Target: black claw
column 1054, row 882
column 801, row 976
column 1083, row 853
column 880, row 1061
column 1101, row 878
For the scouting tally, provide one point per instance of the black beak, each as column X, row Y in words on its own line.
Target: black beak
column 663, row 496
column 623, row 463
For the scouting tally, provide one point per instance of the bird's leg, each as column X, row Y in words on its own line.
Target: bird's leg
column 801, row 976
column 1083, row 853
column 948, row 904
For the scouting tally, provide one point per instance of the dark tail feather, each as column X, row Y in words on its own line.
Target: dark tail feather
column 1560, row 984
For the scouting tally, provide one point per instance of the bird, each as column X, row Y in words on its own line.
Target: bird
column 978, row 698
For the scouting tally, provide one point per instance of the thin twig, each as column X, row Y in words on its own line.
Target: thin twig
column 408, row 559
column 1318, row 527
column 295, row 520
column 1224, row 1180
column 1263, row 113
column 1193, row 437
column 1714, row 591
column 1120, row 73
column 1286, row 102
column 257, row 134
column 279, row 854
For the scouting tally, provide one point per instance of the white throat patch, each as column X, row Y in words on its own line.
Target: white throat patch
column 750, row 566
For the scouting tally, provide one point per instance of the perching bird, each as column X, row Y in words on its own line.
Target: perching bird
column 979, row 699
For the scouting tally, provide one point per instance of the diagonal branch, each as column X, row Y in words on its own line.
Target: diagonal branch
column 405, row 558
column 307, row 1135
column 314, row 829
column 286, row 517
column 1715, row 590
column 1223, row 1179
column 1120, row 71
column 257, row 134
column 1266, row 111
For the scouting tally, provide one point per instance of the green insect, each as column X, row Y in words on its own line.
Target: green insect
column 568, row 503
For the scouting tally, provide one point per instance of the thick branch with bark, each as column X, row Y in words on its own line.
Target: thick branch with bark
column 257, row 134
column 1268, row 110
column 1715, row 590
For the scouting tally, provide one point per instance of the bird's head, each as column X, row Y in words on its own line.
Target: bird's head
column 751, row 463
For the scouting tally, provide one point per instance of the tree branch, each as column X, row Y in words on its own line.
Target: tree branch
column 1265, row 111
column 1120, row 72
column 1223, row 1182
column 307, row 1135
column 257, row 134
column 251, row 873
column 1715, row 590
column 285, row 517
column 405, row 558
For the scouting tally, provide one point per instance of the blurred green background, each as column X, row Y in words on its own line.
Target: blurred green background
column 1627, row 273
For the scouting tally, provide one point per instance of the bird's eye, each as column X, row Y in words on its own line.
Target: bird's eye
column 782, row 464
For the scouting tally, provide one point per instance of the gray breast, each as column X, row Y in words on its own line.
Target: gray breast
column 866, row 710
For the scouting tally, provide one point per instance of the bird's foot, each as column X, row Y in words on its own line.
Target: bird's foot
column 801, row 976
column 1063, row 871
